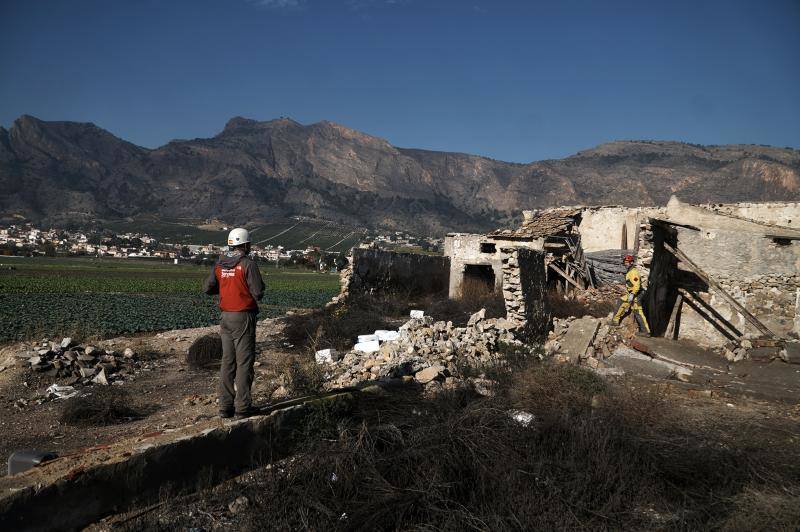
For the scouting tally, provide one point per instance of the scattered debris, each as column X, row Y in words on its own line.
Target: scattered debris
column 522, row 417
column 55, row 391
column 81, row 363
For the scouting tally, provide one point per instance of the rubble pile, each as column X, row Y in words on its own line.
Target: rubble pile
column 432, row 353
column 79, row 363
column 600, row 346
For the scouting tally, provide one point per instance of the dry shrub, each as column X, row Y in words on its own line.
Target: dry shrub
column 595, row 457
column 304, row 377
column 205, row 351
column 103, row 406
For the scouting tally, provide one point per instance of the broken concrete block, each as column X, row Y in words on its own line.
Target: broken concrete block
column 579, row 337
column 475, row 318
column 326, row 356
column 428, row 374
column 101, row 378
column 128, row 353
column 791, row 353
column 66, row 343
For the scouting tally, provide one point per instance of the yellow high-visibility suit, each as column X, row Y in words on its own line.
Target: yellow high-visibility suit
column 631, row 300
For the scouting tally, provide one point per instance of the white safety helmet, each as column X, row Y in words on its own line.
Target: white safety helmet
column 238, row 236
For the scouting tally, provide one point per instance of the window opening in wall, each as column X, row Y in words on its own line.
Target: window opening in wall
column 782, row 241
column 488, row 247
column 624, row 236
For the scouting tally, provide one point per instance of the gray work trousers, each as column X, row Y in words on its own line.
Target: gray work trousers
column 238, row 332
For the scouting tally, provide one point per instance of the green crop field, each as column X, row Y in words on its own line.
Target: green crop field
column 102, row 297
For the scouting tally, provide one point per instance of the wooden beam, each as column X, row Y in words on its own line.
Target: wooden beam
column 563, row 274
column 680, row 255
column 672, row 329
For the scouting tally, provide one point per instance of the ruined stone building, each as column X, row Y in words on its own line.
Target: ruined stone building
column 738, row 278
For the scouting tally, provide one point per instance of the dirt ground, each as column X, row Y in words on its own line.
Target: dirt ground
column 167, row 391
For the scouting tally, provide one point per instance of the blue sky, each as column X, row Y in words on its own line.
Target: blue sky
column 513, row 80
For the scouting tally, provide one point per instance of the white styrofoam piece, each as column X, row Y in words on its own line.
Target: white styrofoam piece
column 367, row 338
column 417, row 314
column 387, row 336
column 367, row 347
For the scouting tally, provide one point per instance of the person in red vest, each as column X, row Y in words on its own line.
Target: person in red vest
column 238, row 282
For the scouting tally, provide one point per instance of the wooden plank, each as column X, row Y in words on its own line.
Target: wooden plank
column 672, row 329
column 680, row 255
column 563, row 274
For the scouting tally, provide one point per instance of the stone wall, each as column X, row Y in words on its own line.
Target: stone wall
column 603, row 228
column 785, row 214
column 524, row 288
column 375, row 271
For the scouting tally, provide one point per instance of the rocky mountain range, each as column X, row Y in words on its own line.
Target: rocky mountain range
column 67, row 172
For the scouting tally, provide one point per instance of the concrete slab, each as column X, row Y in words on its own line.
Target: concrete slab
column 579, row 337
column 681, row 352
column 773, row 380
column 636, row 362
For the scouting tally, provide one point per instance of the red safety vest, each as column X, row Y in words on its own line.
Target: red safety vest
column 234, row 294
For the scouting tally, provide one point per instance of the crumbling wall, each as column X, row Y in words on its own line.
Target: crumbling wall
column 524, row 286
column 376, row 271
column 785, row 214
column 604, row 228
column 465, row 249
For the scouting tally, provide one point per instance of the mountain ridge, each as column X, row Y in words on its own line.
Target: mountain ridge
column 258, row 170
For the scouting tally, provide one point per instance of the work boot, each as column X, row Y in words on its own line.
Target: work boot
column 250, row 411
column 643, row 334
column 226, row 414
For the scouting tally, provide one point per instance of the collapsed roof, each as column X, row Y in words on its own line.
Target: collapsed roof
column 541, row 224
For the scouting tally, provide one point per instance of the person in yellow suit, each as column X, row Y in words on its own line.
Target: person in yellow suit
column 630, row 301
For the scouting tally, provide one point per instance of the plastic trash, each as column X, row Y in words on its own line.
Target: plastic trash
column 522, row 417
column 62, row 392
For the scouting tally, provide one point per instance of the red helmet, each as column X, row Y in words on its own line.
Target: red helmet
column 627, row 258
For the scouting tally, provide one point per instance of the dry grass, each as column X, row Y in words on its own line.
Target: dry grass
column 596, row 457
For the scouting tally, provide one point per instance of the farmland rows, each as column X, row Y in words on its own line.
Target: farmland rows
column 96, row 302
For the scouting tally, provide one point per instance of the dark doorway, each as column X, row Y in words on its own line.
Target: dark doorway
column 478, row 277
